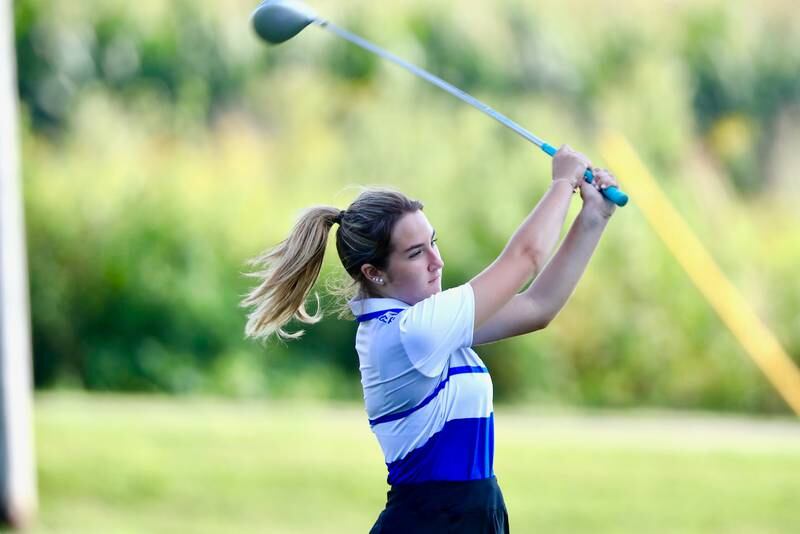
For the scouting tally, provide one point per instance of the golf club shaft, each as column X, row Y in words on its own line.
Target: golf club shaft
column 612, row 193
column 435, row 80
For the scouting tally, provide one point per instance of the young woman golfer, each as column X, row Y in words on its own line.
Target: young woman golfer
column 428, row 395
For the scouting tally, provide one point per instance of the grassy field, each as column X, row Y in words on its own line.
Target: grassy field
column 114, row 464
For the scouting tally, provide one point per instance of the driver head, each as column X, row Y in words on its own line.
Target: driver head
column 277, row 21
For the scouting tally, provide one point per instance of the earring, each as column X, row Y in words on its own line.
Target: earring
column 379, row 281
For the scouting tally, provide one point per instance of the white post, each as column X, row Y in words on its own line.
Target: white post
column 17, row 473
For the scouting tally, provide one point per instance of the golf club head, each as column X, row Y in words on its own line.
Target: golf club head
column 277, row 21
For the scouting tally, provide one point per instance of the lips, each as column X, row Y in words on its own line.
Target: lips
column 435, row 279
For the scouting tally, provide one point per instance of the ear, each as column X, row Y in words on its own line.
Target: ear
column 373, row 274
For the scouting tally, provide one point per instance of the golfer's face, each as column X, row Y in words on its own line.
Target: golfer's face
column 414, row 272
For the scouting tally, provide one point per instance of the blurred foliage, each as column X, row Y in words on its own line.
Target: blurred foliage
column 164, row 145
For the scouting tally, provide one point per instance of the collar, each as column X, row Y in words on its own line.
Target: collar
column 383, row 309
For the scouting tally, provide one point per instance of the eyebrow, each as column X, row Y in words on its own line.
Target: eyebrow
column 412, row 247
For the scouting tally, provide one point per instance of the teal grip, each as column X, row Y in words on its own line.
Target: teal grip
column 549, row 149
column 611, row 193
column 615, row 195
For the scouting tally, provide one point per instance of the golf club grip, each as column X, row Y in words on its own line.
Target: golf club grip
column 611, row 193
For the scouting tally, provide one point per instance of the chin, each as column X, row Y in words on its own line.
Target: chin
column 437, row 288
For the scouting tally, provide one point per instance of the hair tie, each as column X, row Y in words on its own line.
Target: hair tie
column 339, row 217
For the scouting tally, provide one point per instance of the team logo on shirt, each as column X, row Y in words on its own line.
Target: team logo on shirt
column 388, row 317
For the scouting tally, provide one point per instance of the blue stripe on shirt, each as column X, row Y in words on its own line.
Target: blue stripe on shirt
column 452, row 371
column 462, row 450
column 370, row 316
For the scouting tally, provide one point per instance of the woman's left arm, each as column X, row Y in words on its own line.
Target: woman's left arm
column 534, row 308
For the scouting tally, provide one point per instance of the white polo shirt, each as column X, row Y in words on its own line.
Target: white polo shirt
column 428, row 395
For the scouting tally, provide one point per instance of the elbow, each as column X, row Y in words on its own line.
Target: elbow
column 542, row 323
column 539, row 317
column 535, row 258
column 548, row 316
column 530, row 255
column 544, row 315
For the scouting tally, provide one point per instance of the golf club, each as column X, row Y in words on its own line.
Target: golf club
column 277, row 21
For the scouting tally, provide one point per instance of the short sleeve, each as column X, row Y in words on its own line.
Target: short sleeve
column 434, row 328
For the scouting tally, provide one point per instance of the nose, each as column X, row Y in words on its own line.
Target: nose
column 435, row 261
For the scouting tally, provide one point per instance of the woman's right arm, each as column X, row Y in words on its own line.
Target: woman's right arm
column 531, row 245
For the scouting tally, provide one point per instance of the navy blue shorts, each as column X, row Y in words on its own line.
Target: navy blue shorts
column 471, row 507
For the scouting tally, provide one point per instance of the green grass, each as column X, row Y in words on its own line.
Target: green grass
column 109, row 464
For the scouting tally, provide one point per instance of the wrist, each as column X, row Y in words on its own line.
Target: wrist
column 556, row 181
column 593, row 219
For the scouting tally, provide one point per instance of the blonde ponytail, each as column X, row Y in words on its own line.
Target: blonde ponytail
column 287, row 272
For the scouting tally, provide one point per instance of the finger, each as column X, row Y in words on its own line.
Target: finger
column 609, row 179
column 604, row 178
column 599, row 176
column 588, row 192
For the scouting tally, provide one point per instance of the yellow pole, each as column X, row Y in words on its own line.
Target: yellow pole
column 754, row 336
